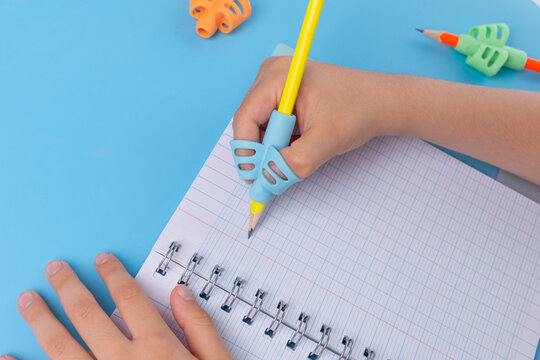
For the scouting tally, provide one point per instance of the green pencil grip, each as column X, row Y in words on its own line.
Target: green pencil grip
column 486, row 50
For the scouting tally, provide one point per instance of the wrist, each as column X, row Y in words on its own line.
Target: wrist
column 386, row 102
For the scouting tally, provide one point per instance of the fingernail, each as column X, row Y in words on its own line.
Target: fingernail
column 103, row 258
column 184, row 292
column 25, row 299
column 53, row 267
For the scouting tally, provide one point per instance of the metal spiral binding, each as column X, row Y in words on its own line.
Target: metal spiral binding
column 278, row 319
column 164, row 264
column 233, row 294
column 347, row 343
column 256, row 307
column 369, row 354
column 299, row 332
column 259, row 298
column 211, row 282
column 322, row 344
column 190, row 268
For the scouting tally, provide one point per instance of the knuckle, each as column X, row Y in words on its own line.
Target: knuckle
column 274, row 62
column 271, row 66
column 127, row 293
column 55, row 347
column 82, row 309
column 239, row 115
column 267, row 63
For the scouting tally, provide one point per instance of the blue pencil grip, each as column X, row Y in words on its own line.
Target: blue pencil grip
column 277, row 136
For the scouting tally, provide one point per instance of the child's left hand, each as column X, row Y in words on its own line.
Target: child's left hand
column 151, row 337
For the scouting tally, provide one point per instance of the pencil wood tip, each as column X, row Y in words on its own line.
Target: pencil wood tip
column 253, row 220
column 420, row 30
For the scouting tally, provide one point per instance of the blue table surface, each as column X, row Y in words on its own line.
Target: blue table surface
column 108, row 110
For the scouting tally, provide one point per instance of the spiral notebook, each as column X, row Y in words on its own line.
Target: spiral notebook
column 393, row 251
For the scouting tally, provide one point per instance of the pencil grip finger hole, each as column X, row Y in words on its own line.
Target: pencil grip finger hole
column 245, row 152
column 269, row 177
column 247, row 155
column 247, row 167
column 197, row 12
column 276, row 170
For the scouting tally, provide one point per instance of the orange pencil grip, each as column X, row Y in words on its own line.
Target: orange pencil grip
column 224, row 15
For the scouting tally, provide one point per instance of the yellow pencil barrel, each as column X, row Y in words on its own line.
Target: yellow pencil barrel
column 300, row 57
column 296, row 71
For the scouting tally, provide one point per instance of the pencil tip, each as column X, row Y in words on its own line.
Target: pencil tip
column 420, row 30
column 250, row 232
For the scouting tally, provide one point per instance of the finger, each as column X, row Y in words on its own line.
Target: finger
column 51, row 335
column 7, row 357
column 258, row 104
column 245, row 124
column 250, row 118
column 202, row 336
column 95, row 327
column 307, row 153
column 139, row 313
column 254, row 111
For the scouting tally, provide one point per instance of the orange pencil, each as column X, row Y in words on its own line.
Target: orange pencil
column 480, row 38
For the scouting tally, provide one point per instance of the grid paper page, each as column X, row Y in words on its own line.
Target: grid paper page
column 397, row 245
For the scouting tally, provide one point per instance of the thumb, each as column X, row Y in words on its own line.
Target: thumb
column 7, row 357
column 202, row 336
column 308, row 153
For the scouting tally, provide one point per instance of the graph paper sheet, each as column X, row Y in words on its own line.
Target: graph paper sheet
column 397, row 245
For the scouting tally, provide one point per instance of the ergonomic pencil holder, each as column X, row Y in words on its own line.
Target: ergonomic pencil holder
column 277, row 136
column 224, row 15
column 486, row 50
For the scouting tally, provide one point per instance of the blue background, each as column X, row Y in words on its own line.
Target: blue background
column 108, row 109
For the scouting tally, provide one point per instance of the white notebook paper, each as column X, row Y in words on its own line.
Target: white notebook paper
column 398, row 246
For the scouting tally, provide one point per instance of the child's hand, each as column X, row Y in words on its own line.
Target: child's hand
column 151, row 337
column 339, row 109
column 335, row 113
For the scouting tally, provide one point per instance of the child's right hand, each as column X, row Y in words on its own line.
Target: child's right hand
column 335, row 113
column 339, row 109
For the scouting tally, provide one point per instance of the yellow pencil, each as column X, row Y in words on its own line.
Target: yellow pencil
column 292, row 84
